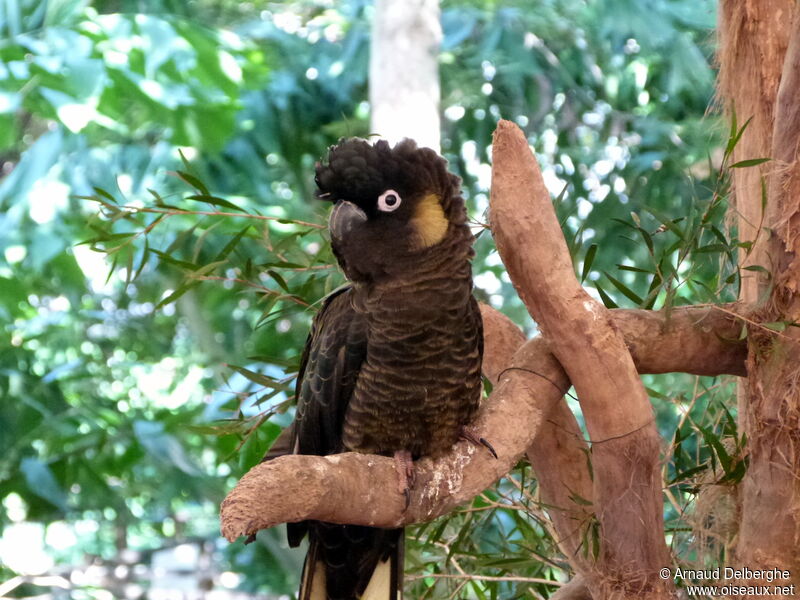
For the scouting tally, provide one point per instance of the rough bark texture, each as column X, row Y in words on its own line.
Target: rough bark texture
column 752, row 41
column 558, row 453
column 560, row 460
column 293, row 488
column 619, row 418
column 770, row 531
column 752, row 37
column 404, row 71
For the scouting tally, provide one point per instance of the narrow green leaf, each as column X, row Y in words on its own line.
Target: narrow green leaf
column 714, row 442
column 731, row 135
column 258, row 378
column 670, row 224
column 206, row 269
column 177, row 293
column 247, row 269
column 215, row 200
column 112, row 268
column 194, row 182
column 201, row 240
column 756, row 268
column 625, row 223
column 737, row 472
column 607, row 300
column 654, row 393
column 269, row 303
column 157, row 196
column 776, row 325
column 279, row 280
column 634, row 269
column 652, row 293
column 587, row 262
column 683, row 475
column 648, row 240
column 101, row 192
column 232, row 244
column 143, row 260
column 181, row 238
column 749, row 163
column 280, row 265
column 109, row 237
column 624, row 289
column 577, row 499
column 735, row 139
column 720, row 236
column 128, row 268
column 183, row 264
column 252, row 450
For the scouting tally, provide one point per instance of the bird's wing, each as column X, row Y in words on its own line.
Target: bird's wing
column 331, row 359
column 343, row 561
column 329, row 367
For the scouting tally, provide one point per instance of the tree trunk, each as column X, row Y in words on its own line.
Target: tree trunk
column 760, row 77
column 404, row 71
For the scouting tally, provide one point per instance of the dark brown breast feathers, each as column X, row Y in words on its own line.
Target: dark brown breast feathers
column 420, row 381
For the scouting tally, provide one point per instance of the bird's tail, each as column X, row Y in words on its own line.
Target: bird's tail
column 349, row 562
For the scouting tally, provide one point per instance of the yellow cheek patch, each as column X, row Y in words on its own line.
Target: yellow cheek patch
column 429, row 221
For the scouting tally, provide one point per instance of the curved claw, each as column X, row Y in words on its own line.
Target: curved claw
column 470, row 436
column 406, row 474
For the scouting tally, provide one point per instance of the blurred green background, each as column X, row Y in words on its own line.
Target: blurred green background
column 147, row 352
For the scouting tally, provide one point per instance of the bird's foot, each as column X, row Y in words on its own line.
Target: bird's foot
column 469, row 435
column 406, row 475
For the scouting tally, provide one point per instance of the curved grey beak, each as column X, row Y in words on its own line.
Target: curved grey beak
column 345, row 217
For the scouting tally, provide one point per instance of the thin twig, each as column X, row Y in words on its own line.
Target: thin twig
column 178, row 211
column 260, row 288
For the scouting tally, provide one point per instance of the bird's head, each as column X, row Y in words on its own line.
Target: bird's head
column 391, row 205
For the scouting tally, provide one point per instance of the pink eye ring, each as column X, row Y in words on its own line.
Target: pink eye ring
column 389, row 201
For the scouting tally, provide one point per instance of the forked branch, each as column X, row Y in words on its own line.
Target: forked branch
column 352, row 488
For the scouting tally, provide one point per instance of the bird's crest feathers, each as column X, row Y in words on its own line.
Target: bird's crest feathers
column 391, row 203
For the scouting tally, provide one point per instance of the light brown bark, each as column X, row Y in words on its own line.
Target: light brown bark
column 753, row 36
column 350, row 488
column 752, row 41
column 619, row 418
column 770, row 532
column 558, row 454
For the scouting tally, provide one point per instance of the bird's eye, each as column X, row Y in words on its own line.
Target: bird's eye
column 389, row 201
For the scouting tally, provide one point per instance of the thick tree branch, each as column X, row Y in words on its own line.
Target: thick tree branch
column 558, row 453
column 351, row 488
column 660, row 342
column 619, row 418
